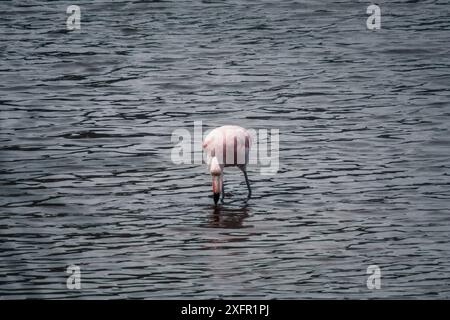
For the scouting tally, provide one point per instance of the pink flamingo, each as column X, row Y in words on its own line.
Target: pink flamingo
column 227, row 146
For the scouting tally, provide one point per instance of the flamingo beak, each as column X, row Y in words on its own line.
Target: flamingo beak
column 216, row 197
column 217, row 187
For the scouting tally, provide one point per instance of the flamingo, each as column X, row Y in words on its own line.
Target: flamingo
column 227, row 146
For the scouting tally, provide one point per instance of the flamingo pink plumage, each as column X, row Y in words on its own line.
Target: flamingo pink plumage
column 227, row 146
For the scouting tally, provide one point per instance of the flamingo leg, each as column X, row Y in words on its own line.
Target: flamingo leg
column 223, row 191
column 248, row 184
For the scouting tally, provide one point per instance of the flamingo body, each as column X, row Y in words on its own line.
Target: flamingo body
column 227, row 146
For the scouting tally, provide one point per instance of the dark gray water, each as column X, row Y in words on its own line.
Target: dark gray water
column 86, row 122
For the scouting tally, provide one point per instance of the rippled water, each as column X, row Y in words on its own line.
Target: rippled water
column 86, row 121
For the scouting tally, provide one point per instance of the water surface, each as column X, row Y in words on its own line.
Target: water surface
column 85, row 129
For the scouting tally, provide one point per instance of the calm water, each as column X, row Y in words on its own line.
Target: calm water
column 86, row 121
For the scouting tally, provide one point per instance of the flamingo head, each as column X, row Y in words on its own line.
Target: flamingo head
column 217, row 178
